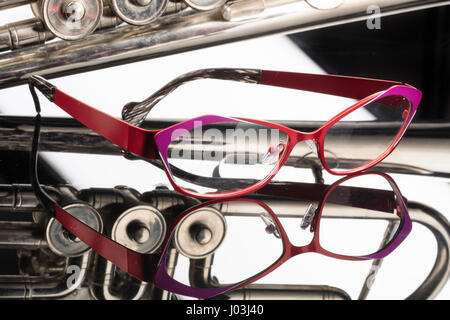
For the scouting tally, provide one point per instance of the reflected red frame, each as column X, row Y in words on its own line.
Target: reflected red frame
column 152, row 268
column 153, row 144
column 164, row 281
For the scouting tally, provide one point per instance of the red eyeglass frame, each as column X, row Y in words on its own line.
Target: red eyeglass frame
column 163, row 280
column 151, row 267
column 144, row 143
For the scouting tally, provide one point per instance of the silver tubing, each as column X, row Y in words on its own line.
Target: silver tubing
column 7, row 4
column 433, row 139
column 25, row 287
column 199, row 274
column 187, row 31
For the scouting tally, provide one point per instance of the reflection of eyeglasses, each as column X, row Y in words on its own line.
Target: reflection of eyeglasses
column 252, row 147
column 253, row 246
column 259, row 243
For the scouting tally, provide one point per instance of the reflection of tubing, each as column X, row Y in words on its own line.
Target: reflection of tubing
column 440, row 227
column 141, row 228
column 199, row 270
column 286, row 292
column 200, row 277
column 26, row 287
column 21, row 239
column 432, row 138
column 6, row 4
column 20, row 199
column 21, row 234
column 376, row 263
column 171, row 263
column 101, row 281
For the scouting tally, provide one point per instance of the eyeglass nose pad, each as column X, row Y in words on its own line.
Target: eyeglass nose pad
column 273, row 154
column 271, row 227
column 312, row 145
column 308, row 217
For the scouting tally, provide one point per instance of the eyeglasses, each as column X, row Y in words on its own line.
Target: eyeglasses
column 195, row 151
column 245, row 236
column 342, row 221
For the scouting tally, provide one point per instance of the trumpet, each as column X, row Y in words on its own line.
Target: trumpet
column 93, row 34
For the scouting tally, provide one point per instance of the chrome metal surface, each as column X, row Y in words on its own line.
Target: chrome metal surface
column 199, row 276
column 204, row 5
column 36, row 287
column 61, row 241
column 376, row 264
column 104, row 280
column 32, row 31
column 138, row 12
column 21, row 237
column 325, row 4
column 140, row 228
column 186, row 31
column 440, row 227
column 103, row 277
column 18, row 35
column 66, row 135
column 6, row 4
column 287, row 292
column 71, row 19
column 200, row 233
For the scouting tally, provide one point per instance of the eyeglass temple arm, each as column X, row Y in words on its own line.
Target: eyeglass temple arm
column 350, row 87
column 141, row 266
column 342, row 86
column 119, row 132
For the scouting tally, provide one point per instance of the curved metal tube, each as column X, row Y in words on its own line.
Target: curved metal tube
column 187, row 31
column 200, row 277
column 199, row 270
column 101, row 281
column 69, row 136
column 440, row 227
column 24, row 287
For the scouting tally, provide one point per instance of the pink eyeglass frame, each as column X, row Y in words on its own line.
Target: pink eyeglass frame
column 151, row 267
column 153, row 144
